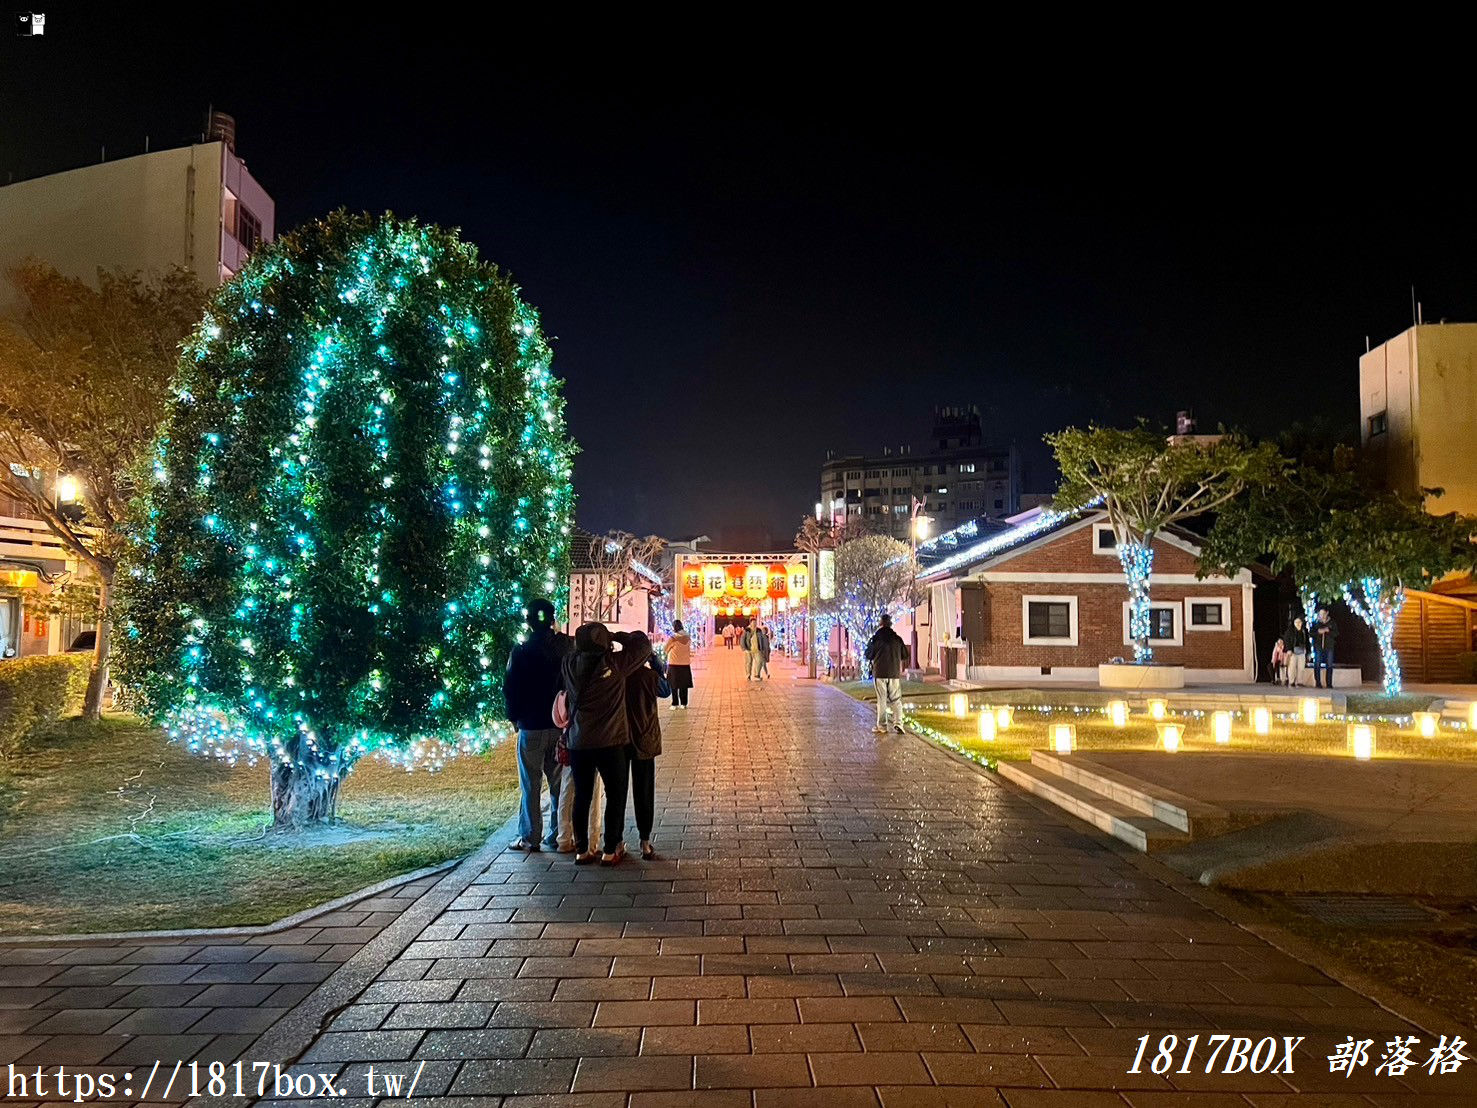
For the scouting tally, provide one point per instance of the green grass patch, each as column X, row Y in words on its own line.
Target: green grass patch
column 109, row 827
column 1378, row 704
column 1095, row 732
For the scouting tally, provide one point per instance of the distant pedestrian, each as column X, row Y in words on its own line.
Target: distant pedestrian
column 679, row 665
column 595, row 685
column 644, row 689
column 1325, row 640
column 529, row 687
column 887, row 652
column 751, row 651
column 728, row 636
column 1297, row 644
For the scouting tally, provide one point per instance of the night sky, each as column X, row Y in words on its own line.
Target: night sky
column 748, row 254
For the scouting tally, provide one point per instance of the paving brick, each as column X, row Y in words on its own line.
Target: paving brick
column 632, row 1074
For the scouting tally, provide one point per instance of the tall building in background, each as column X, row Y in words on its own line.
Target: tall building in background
column 194, row 206
column 957, row 477
column 1418, row 411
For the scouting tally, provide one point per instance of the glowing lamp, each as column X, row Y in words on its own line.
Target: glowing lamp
column 692, row 582
column 715, row 581
column 1170, row 735
column 1361, row 741
column 1472, row 715
column 1220, row 725
column 735, row 572
column 1308, row 709
column 1261, row 720
column 959, row 704
column 1118, row 712
column 1427, row 723
column 756, row 582
column 1003, row 717
column 799, row 581
column 1063, row 737
column 779, row 581
column 1158, row 708
column 66, row 490
column 987, row 726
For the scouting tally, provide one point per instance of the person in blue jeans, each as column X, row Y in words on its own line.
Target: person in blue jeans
column 1325, row 633
column 533, row 680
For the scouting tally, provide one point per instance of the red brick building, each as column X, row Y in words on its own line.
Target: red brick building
column 1048, row 600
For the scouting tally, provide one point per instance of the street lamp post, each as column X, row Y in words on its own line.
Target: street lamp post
column 917, row 529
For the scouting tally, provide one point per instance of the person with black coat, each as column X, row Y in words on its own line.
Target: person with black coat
column 1325, row 637
column 595, row 683
column 887, row 652
column 532, row 681
column 643, row 694
column 1298, row 644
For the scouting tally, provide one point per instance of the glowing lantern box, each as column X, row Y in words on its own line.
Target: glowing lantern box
column 959, row 704
column 987, row 726
column 1308, row 709
column 1118, row 712
column 1063, row 737
column 1220, row 725
column 715, row 581
column 692, row 582
column 1170, row 735
column 1158, row 708
column 1472, row 715
column 1261, row 720
column 735, row 583
column 1427, row 723
column 779, row 581
column 1003, row 718
column 1361, row 741
column 756, row 582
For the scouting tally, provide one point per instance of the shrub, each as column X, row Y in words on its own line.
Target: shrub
column 36, row 691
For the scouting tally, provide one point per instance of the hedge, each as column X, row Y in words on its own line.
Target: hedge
column 36, row 691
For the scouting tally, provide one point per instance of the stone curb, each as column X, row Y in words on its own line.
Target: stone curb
column 284, row 924
column 289, row 1038
column 1398, row 1004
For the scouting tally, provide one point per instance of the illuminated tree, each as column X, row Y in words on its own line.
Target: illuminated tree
column 875, row 575
column 1146, row 481
column 84, row 378
column 363, row 478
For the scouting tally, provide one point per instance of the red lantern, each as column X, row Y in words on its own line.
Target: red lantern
column 735, row 571
column 779, row 580
column 692, row 582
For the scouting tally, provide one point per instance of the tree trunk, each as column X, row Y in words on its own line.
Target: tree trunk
column 1378, row 606
column 1137, row 560
column 97, row 680
column 301, row 797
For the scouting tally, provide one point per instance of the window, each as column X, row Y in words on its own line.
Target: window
column 1104, row 541
column 1164, row 624
column 899, row 509
column 1379, row 423
column 248, row 228
column 1049, row 620
column 874, row 473
column 1213, row 614
column 999, row 505
column 871, row 492
column 874, row 510
column 853, row 475
column 965, row 505
column 943, row 490
column 966, row 467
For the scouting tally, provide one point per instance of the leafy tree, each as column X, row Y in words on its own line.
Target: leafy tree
column 362, row 479
column 614, row 556
column 84, row 377
column 1146, row 481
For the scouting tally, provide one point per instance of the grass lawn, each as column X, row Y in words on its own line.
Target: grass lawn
column 1028, row 732
column 109, row 828
column 866, row 691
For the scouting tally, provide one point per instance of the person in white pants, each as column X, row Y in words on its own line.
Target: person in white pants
column 566, row 811
column 888, row 655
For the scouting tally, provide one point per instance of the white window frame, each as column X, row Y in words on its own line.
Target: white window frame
column 1051, row 598
column 1222, row 602
column 1179, row 623
column 1110, row 552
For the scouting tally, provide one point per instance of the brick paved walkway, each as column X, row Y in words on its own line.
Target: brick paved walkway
column 842, row 919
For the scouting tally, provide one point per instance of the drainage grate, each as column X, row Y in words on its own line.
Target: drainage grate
column 1372, row 911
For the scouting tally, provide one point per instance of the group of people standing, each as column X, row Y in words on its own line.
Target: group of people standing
column 586, row 714
column 756, row 641
column 1301, row 648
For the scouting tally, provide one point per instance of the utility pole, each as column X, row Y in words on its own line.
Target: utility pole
column 916, row 526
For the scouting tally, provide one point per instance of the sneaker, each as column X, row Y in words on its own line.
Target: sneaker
column 566, row 848
column 899, row 730
column 879, row 730
column 524, row 845
column 588, row 858
column 615, row 858
column 675, row 707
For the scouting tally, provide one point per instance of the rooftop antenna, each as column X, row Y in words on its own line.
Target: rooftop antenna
column 146, row 144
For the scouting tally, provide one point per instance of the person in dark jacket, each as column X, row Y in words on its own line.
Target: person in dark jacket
column 532, row 681
column 887, row 652
column 643, row 693
column 1325, row 634
column 1298, row 644
column 595, row 682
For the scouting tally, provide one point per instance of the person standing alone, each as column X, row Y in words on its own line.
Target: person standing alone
column 887, row 652
column 1297, row 643
column 679, row 665
column 751, row 651
column 1325, row 639
column 532, row 681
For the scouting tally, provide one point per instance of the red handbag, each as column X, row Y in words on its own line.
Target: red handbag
column 561, row 721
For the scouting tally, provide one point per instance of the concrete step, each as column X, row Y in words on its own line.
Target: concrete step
column 1194, row 817
column 1122, row 822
